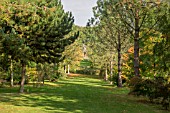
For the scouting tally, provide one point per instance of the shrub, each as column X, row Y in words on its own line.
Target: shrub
column 153, row 89
column 134, row 81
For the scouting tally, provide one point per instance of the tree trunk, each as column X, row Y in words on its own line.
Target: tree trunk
column 44, row 73
column 43, row 79
column 154, row 64
column 11, row 74
column 119, row 62
column 68, row 69
column 136, row 45
column 65, row 70
column 84, row 51
column 106, row 75
column 111, row 70
column 23, row 78
column 39, row 78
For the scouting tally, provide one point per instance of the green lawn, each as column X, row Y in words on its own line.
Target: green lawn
column 74, row 95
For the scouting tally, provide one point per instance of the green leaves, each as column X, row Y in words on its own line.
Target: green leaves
column 41, row 26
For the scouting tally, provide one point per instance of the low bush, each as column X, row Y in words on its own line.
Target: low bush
column 154, row 89
column 134, row 81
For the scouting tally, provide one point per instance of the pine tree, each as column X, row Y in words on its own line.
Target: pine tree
column 139, row 18
column 40, row 27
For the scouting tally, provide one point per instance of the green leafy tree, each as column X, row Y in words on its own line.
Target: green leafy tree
column 109, row 32
column 162, row 48
column 41, row 26
column 139, row 18
column 50, row 27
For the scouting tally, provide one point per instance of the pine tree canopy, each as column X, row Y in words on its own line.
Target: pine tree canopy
column 41, row 25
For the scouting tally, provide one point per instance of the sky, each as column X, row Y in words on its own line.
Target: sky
column 81, row 10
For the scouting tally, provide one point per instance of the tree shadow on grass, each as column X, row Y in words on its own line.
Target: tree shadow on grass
column 70, row 96
column 77, row 95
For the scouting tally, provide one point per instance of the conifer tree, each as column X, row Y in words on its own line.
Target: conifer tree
column 139, row 18
column 40, row 27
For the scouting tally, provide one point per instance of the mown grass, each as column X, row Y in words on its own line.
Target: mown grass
column 74, row 95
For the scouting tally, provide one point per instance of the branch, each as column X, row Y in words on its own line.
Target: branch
column 151, row 28
column 142, row 21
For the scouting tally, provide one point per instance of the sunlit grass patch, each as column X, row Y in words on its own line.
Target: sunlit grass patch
column 52, row 84
column 80, row 94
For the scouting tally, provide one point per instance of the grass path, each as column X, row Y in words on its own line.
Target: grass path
column 76, row 94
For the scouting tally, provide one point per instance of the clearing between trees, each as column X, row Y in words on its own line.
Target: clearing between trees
column 74, row 94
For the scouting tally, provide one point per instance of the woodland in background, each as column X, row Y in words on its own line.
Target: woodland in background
column 126, row 42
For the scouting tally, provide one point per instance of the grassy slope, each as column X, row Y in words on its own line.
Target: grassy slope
column 73, row 95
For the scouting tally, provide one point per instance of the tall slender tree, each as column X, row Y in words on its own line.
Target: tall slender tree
column 110, row 31
column 139, row 16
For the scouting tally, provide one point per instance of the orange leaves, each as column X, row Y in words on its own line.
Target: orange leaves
column 131, row 50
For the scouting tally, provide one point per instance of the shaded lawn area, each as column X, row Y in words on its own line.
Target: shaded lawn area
column 79, row 94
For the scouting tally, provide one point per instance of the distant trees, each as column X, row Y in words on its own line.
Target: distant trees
column 73, row 53
column 36, row 31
